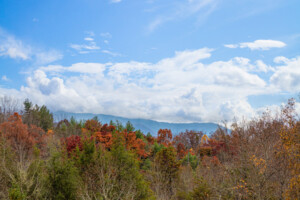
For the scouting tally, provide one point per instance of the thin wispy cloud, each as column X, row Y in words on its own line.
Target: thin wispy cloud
column 254, row 7
column 90, row 33
column 182, row 9
column 17, row 49
column 13, row 48
column 114, row 54
column 106, row 35
column 89, row 46
column 35, row 20
column 115, row 1
column 48, row 57
column 4, row 78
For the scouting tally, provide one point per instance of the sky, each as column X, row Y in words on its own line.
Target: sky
column 165, row 60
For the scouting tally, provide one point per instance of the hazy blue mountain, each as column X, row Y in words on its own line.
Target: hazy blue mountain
column 144, row 125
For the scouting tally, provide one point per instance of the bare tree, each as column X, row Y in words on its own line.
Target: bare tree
column 8, row 105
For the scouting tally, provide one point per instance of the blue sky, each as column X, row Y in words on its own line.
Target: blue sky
column 167, row 60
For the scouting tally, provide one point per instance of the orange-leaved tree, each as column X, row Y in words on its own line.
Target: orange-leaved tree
column 181, row 150
column 135, row 144
column 290, row 148
column 104, row 135
column 21, row 137
column 92, row 125
column 164, row 136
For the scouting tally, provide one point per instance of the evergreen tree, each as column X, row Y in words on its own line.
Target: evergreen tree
column 39, row 116
column 127, row 170
column 62, row 179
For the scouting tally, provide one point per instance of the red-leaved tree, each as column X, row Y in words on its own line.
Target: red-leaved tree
column 164, row 136
column 21, row 137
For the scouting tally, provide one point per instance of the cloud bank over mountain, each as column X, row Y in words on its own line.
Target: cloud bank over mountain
column 181, row 88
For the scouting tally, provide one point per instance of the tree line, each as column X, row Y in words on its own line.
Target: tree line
column 88, row 160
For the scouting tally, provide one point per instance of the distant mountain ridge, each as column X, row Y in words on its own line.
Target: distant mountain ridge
column 144, row 125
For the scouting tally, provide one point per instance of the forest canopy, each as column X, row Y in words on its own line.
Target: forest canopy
column 70, row 159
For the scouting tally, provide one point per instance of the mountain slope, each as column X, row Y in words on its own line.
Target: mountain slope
column 143, row 124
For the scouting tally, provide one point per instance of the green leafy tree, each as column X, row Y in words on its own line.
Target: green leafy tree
column 62, row 179
column 127, row 170
column 39, row 116
column 191, row 160
column 129, row 127
column 202, row 191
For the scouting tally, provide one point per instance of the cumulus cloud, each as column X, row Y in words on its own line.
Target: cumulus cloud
column 258, row 45
column 287, row 76
column 262, row 67
column 177, row 89
column 281, row 59
column 234, row 108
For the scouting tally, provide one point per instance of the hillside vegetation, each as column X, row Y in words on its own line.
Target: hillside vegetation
column 144, row 125
column 88, row 160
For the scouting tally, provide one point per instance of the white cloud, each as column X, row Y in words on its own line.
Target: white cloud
column 287, row 76
column 106, row 35
column 262, row 67
column 48, row 57
column 13, row 48
column 181, row 10
column 16, row 49
column 231, row 46
column 89, row 46
column 89, row 68
column 258, row 45
column 85, row 47
column 234, row 108
column 4, row 78
column 176, row 89
column 262, row 44
column 115, row 1
column 88, row 39
column 86, row 68
column 90, row 33
column 111, row 53
column 281, row 59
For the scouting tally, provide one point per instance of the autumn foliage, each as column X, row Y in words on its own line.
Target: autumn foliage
column 104, row 135
column 21, row 137
column 164, row 136
column 255, row 159
column 135, row 144
column 72, row 143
